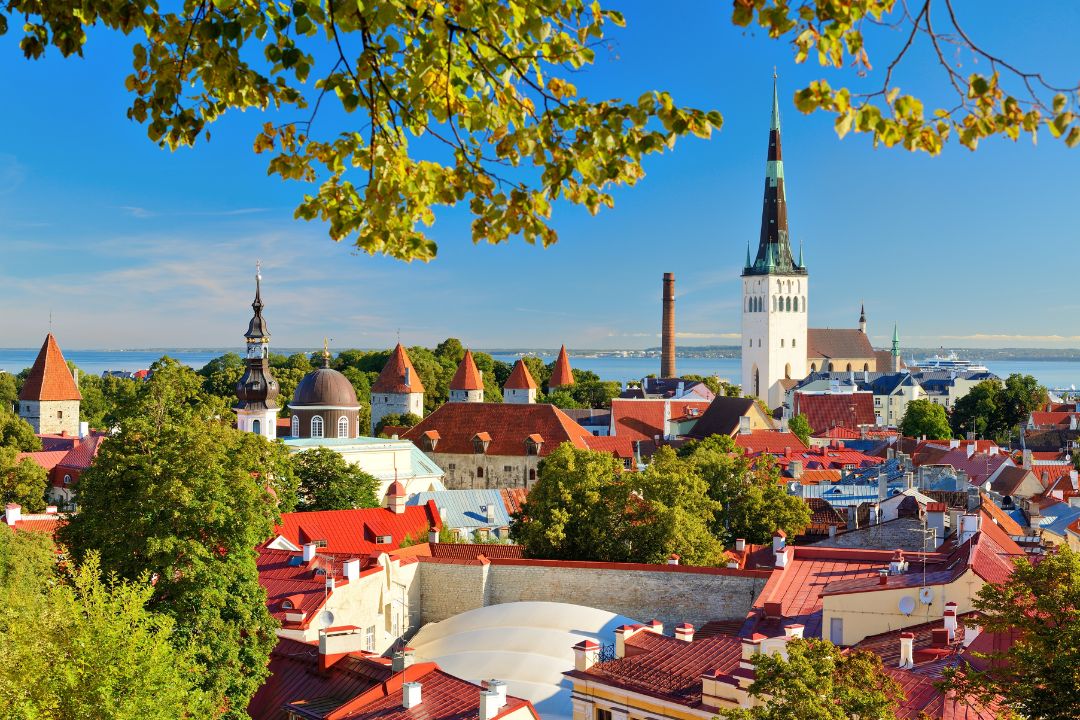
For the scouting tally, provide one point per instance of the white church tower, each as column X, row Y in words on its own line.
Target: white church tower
column 775, row 289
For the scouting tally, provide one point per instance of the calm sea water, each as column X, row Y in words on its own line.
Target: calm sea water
column 1052, row 373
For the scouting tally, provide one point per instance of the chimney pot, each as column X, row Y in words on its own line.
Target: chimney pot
column 673, row 559
column 351, row 569
column 684, row 632
column 433, row 536
column 740, row 545
column 490, row 704
column 309, row 552
column 586, row 654
column 13, row 513
column 907, row 650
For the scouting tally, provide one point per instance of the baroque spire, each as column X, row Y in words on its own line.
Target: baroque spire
column 774, row 242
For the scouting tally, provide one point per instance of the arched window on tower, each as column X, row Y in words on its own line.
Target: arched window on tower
column 316, row 426
column 788, row 305
column 796, row 304
column 866, row 367
column 828, row 368
column 781, row 342
column 256, row 427
column 792, row 342
column 849, row 367
column 804, row 303
column 343, row 427
column 787, row 371
column 774, row 303
column 295, row 429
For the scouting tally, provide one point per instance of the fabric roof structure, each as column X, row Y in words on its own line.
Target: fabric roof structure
column 49, row 378
column 398, row 375
column 526, row 644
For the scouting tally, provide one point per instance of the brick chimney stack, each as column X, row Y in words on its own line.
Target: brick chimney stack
column 667, row 358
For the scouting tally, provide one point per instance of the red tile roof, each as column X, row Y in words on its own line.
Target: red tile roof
column 392, row 377
column 1051, row 419
column 840, row 343
column 46, row 523
column 560, row 373
column 1000, row 517
column 47, row 459
column 508, row 424
column 774, row 442
column 979, row 466
column 355, row 531
column 294, row 675
column 467, row 376
column 513, row 498
column 285, row 576
column 634, row 419
column 49, row 377
column 798, row 587
column 824, row 411
column 820, row 475
column 467, row 551
column 667, row 668
column 621, row 447
column 443, row 697
column 520, row 377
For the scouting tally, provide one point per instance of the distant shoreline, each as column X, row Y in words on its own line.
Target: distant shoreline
column 687, row 352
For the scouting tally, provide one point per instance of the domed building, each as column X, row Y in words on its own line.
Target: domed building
column 325, row 405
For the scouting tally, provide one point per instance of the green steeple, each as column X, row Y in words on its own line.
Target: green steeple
column 800, row 255
column 747, row 254
column 895, row 342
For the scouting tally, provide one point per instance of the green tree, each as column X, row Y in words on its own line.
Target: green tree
column 718, row 386
column 326, row 481
column 978, row 410
column 682, row 509
column 581, row 509
column 77, row 647
column 753, row 501
column 9, row 393
column 1021, row 396
column 492, row 85
column 288, row 378
column 800, row 427
column 399, row 419
column 925, row 417
column 22, row 481
column 1038, row 675
column 17, row 433
column 221, row 374
column 817, row 681
column 561, row 398
column 194, row 496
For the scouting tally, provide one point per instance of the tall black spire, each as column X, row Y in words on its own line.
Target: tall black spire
column 257, row 389
column 774, row 245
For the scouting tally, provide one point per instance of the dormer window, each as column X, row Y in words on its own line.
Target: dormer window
column 480, row 442
column 287, row 605
column 383, row 539
column 429, row 440
column 533, row 443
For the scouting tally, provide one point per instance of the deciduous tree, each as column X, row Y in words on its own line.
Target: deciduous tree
column 800, row 427
column 1036, row 667
column 816, row 681
column 76, row 646
column 925, row 417
column 326, row 481
column 22, row 481
column 398, row 419
column 179, row 495
column 477, row 104
column 17, row 434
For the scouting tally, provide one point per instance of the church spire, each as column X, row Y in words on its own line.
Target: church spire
column 257, row 389
column 774, row 242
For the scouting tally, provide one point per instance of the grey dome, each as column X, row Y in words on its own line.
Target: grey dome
column 325, row 387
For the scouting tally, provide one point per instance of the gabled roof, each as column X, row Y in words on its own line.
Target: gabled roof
column 520, row 377
column 466, row 508
column 467, row 376
column 824, row 411
column 838, row 343
column 392, row 377
column 721, row 417
column 355, row 531
column 50, row 378
column 645, row 419
column 773, row 442
column 508, row 424
column 561, row 375
column 294, row 675
column 1009, row 480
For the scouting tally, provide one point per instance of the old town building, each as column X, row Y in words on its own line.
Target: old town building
column 49, row 399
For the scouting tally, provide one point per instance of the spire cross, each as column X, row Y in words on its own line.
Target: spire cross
column 258, row 269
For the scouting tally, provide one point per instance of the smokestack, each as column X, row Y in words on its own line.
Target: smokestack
column 667, row 359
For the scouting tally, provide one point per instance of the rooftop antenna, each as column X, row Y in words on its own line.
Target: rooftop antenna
column 50, row 320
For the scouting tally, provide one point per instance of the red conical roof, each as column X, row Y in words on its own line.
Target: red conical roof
column 560, row 374
column 467, row 376
column 50, row 378
column 392, row 378
column 520, row 378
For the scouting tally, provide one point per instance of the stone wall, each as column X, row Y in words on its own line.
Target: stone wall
column 671, row 594
column 51, row 417
column 462, row 470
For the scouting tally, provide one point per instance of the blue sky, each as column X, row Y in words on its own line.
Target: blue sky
column 132, row 246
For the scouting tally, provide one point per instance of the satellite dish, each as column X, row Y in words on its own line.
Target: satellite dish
column 907, row 604
column 326, row 619
column 926, row 595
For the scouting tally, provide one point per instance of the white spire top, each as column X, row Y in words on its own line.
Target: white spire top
column 775, row 121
